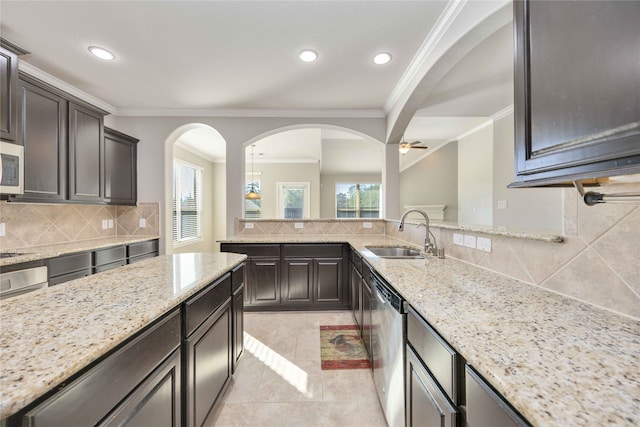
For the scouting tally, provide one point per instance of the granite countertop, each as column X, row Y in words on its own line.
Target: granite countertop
column 558, row 361
column 52, row 333
column 35, row 253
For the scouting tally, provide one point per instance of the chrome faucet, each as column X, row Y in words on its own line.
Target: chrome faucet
column 429, row 247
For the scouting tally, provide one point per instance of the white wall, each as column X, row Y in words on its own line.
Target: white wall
column 527, row 208
column 328, row 189
column 272, row 173
column 433, row 181
column 219, row 198
column 475, row 177
column 153, row 133
column 208, row 211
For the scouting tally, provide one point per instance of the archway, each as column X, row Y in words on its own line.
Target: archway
column 195, row 221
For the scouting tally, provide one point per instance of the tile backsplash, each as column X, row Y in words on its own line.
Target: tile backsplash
column 29, row 225
column 597, row 263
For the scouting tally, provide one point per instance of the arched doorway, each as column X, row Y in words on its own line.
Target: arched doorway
column 195, row 189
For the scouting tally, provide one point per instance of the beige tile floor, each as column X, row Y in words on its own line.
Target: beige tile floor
column 279, row 381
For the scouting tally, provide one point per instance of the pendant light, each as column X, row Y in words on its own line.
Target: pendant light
column 252, row 195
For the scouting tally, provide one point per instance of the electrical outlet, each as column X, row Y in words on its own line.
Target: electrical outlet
column 142, row 223
column 298, row 225
column 3, row 230
column 248, row 226
column 484, row 244
column 470, row 241
column 458, row 239
column 367, row 225
column 105, row 224
column 110, row 223
column 502, row 204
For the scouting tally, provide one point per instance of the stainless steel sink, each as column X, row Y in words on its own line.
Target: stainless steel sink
column 394, row 252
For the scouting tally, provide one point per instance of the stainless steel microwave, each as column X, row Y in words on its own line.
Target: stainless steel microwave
column 11, row 168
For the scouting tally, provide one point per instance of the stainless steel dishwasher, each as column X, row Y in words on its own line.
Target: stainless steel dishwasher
column 387, row 348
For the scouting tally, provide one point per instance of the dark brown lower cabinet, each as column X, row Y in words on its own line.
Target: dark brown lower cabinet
column 107, row 390
column 367, row 321
column 356, row 295
column 296, row 276
column 426, row 404
column 207, row 350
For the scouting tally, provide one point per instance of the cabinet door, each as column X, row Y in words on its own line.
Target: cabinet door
column 576, row 89
column 8, row 95
column 238, row 326
column 366, row 316
column 297, row 281
column 356, row 296
column 156, row 402
column 426, row 405
column 328, row 281
column 265, row 281
column 208, row 353
column 120, row 168
column 43, row 123
column 485, row 407
column 86, row 153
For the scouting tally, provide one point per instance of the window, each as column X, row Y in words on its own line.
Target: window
column 187, row 202
column 357, row 200
column 253, row 207
column 293, row 200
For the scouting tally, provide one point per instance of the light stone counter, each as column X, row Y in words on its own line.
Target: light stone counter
column 34, row 253
column 558, row 361
column 52, row 333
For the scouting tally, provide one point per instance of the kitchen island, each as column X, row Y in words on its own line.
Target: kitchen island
column 53, row 334
column 556, row 360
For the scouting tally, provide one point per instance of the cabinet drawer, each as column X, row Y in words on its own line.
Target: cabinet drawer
column 439, row 357
column 312, row 250
column 70, row 276
column 88, row 399
column 109, row 255
column 198, row 308
column 69, row 263
column 142, row 248
column 356, row 260
column 110, row 266
column 142, row 257
column 254, row 251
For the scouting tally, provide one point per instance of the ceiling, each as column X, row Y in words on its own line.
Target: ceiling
column 241, row 56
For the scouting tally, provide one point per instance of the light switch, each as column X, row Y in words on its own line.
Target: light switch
column 470, row 241
column 367, row 225
column 143, row 223
column 298, row 225
column 502, row 204
column 110, row 223
column 484, row 244
column 458, row 239
column 3, row 230
column 105, row 224
column 248, row 225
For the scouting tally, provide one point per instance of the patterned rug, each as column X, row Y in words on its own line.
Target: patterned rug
column 342, row 348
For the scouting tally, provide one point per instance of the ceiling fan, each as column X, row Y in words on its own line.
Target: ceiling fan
column 406, row 146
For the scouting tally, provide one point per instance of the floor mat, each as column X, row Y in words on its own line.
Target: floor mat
column 342, row 348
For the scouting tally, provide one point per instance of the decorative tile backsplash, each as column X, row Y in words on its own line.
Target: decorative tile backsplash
column 276, row 227
column 29, row 225
column 597, row 263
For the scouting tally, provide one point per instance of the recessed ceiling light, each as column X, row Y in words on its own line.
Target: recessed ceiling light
column 382, row 58
column 101, row 53
column 308, row 55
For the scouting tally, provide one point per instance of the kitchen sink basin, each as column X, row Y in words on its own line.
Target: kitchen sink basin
column 394, row 252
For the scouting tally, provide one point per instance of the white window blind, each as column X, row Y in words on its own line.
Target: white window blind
column 187, row 202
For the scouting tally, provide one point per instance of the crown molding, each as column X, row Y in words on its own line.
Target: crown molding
column 33, row 71
column 451, row 11
column 502, row 113
column 267, row 113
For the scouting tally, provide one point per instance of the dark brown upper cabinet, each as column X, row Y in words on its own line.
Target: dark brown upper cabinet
column 120, row 163
column 86, row 154
column 8, row 95
column 43, row 133
column 577, row 90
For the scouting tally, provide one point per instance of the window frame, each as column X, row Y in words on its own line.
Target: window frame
column 199, row 176
column 357, row 184
column 306, row 208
